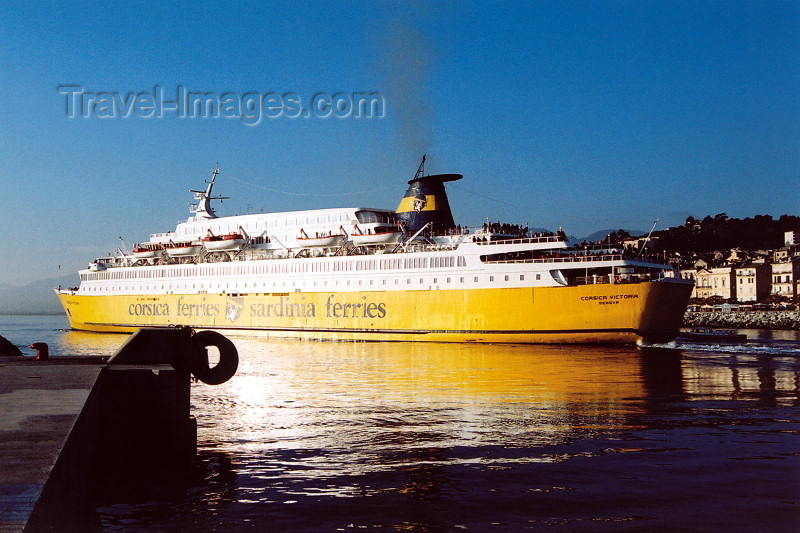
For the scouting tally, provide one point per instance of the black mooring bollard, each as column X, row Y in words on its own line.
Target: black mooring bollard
column 42, row 351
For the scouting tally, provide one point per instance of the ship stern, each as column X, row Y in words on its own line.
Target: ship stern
column 663, row 317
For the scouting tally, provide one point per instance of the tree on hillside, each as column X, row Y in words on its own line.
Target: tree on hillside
column 721, row 232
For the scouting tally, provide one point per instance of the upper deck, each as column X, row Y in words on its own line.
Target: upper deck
column 284, row 226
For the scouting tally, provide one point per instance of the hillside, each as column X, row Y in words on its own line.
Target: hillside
column 36, row 298
column 761, row 232
column 602, row 234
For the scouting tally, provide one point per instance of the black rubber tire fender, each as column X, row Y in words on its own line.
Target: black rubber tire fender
column 228, row 358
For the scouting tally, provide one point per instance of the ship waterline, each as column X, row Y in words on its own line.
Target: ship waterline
column 606, row 313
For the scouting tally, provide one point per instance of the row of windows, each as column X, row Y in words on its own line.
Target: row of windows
column 278, row 267
column 706, row 283
column 273, row 222
column 249, row 286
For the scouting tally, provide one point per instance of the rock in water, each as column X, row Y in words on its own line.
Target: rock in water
column 7, row 348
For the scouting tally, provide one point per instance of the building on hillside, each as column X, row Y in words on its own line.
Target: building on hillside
column 737, row 256
column 639, row 243
column 752, row 282
column 762, row 255
column 780, row 255
column 791, row 238
column 786, row 278
column 718, row 281
column 702, row 283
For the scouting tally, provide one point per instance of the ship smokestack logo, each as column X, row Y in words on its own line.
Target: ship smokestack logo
column 420, row 202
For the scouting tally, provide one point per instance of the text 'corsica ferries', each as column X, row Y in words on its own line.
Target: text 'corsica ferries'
column 378, row 275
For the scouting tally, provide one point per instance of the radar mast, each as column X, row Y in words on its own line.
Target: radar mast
column 202, row 210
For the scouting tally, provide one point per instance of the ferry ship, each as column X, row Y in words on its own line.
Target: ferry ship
column 365, row 274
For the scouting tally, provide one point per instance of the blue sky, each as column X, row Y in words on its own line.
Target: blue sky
column 586, row 115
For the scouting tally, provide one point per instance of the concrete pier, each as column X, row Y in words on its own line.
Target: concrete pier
column 146, row 435
column 48, row 431
column 74, row 430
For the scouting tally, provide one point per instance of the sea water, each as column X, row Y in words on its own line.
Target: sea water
column 320, row 436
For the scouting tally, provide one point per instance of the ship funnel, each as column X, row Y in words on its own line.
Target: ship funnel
column 426, row 201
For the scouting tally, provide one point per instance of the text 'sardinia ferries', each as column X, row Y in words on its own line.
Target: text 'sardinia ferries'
column 379, row 275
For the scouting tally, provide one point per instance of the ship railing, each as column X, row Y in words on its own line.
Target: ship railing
column 563, row 259
column 569, row 259
column 619, row 279
column 438, row 247
column 478, row 239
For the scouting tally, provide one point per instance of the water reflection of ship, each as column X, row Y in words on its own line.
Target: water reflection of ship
column 513, row 373
column 662, row 375
column 74, row 342
column 467, row 384
column 568, row 388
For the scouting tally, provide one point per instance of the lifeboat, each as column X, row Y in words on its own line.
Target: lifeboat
column 321, row 241
column 231, row 241
column 141, row 251
column 377, row 236
column 182, row 249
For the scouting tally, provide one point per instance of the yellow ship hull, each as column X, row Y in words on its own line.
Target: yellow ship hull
column 603, row 313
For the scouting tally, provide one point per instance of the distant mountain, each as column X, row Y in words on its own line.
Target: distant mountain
column 602, row 234
column 36, row 298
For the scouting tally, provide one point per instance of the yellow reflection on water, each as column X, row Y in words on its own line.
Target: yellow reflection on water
column 416, row 394
column 424, row 371
column 73, row 342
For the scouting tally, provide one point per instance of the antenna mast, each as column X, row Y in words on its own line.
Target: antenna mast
column 648, row 237
column 203, row 209
column 421, row 169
